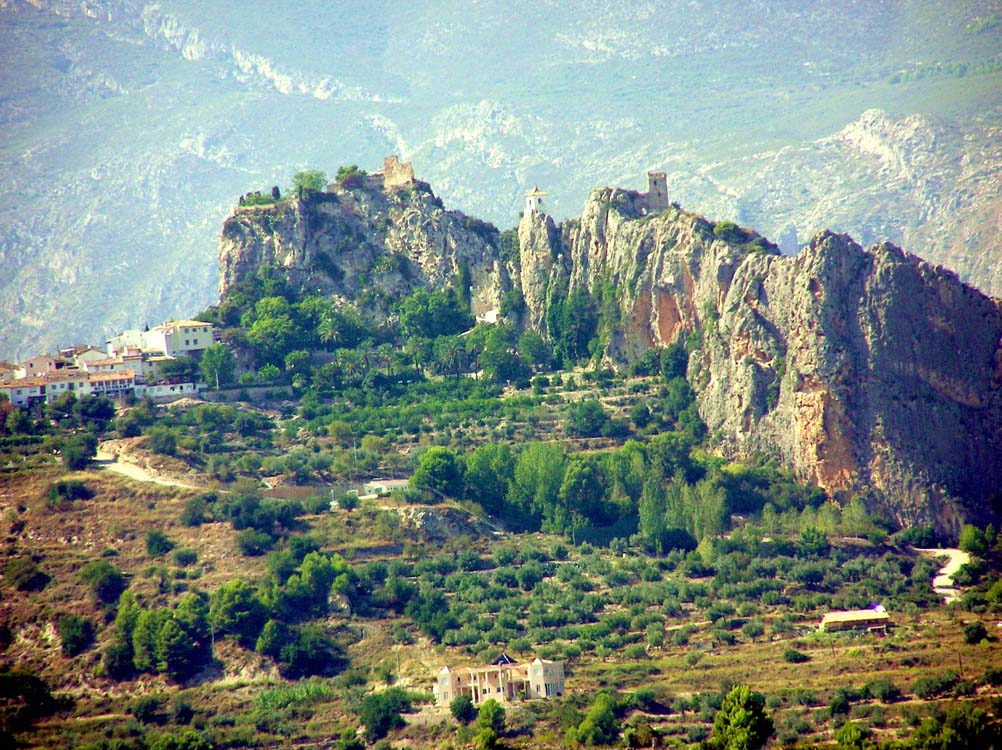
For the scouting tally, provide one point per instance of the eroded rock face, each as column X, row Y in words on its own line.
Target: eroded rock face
column 381, row 245
column 862, row 370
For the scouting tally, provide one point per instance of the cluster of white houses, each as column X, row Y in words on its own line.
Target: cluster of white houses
column 130, row 365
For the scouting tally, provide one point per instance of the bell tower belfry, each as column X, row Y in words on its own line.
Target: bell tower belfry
column 534, row 201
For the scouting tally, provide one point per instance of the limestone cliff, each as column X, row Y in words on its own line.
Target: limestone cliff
column 865, row 371
column 366, row 244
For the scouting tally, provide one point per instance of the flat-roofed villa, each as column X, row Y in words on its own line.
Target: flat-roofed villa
column 504, row 681
column 874, row 618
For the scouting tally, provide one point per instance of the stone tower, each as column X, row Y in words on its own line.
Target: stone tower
column 534, row 201
column 397, row 173
column 657, row 191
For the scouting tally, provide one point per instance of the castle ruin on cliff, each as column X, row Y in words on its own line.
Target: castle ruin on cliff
column 654, row 200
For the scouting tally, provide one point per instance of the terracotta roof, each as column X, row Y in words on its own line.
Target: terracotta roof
column 120, row 375
column 67, row 374
column 23, row 383
column 187, row 323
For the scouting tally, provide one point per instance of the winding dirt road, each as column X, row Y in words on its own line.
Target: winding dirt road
column 110, row 462
column 942, row 584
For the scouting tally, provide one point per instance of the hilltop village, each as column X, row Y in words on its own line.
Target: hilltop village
column 140, row 363
column 134, row 363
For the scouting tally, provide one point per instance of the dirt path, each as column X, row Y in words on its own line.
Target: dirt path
column 942, row 583
column 110, row 462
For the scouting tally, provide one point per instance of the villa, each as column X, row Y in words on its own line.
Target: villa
column 504, row 681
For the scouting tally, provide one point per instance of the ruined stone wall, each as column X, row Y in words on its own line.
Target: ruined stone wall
column 397, row 173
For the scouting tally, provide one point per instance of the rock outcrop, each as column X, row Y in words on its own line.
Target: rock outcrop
column 366, row 243
column 866, row 372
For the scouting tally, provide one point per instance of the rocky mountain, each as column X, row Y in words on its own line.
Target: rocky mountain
column 366, row 245
column 130, row 125
column 863, row 370
column 925, row 183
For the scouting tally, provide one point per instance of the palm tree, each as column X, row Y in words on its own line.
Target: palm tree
column 329, row 330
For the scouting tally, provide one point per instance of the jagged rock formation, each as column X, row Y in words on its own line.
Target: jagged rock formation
column 864, row 371
column 366, row 243
column 925, row 183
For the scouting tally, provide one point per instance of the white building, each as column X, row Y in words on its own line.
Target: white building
column 113, row 384
column 504, row 681
column 174, row 339
column 58, row 382
column 145, row 365
column 38, row 366
column 383, row 487
column 534, row 201
column 131, row 339
column 46, row 388
column 163, row 392
column 23, row 392
column 81, row 354
column 180, row 337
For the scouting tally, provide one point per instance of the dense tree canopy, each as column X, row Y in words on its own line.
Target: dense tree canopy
column 218, row 365
column 310, row 179
column 432, row 313
column 439, row 473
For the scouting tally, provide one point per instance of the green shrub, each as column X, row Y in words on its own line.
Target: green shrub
column 380, row 712
column 742, row 720
column 78, row 451
column 76, row 634
column 491, row 715
column 883, row 690
column 935, row 686
column 235, row 609
column 185, row 556
column 599, row 726
column 146, row 709
column 195, row 511
column 158, row 543
column 839, row 704
column 106, row 581
column 254, row 543
column 70, row 489
column 188, row 739
column 793, row 656
column 25, row 575
column 974, row 632
column 462, row 709
column 162, row 440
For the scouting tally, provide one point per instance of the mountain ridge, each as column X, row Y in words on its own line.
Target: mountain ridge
column 865, row 371
column 131, row 124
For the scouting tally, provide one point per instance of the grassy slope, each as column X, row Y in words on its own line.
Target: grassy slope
column 122, row 511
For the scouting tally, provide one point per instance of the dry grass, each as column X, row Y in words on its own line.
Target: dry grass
column 121, row 512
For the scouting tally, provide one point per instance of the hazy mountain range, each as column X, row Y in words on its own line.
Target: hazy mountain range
column 131, row 128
